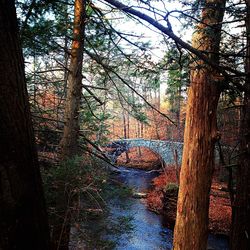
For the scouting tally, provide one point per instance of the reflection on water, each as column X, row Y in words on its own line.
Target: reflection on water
column 149, row 232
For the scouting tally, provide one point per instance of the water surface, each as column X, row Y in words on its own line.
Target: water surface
column 149, row 231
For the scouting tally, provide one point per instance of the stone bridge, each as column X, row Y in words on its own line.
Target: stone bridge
column 165, row 149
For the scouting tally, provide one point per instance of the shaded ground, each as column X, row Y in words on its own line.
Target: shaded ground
column 219, row 211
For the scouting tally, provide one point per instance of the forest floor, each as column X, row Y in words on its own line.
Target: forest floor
column 219, row 210
column 140, row 157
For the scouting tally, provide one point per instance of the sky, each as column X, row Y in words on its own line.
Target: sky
column 144, row 30
column 147, row 32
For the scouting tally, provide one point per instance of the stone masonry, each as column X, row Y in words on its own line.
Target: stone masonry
column 165, row 149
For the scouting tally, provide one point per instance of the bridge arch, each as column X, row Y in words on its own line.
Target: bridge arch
column 141, row 157
column 165, row 149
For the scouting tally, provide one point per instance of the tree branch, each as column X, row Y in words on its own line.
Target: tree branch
column 109, row 69
column 167, row 31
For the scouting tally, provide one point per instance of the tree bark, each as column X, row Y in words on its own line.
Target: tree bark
column 125, row 133
column 191, row 229
column 240, row 238
column 23, row 217
column 69, row 143
column 128, row 125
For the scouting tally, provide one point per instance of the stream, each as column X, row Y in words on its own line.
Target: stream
column 149, row 232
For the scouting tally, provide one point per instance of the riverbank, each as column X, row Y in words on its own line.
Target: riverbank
column 163, row 202
column 150, row 230
column 219, row 210
column 159, row 202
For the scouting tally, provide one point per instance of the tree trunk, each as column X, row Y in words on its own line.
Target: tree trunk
column 124, row 125
column 139, row 136
column 23, row 217
column 191, row 227
column 178, row 114
column 128, row 126
column 156, row 123
column 142, row 130
column 125, row 133
column 240, row 238
column 69, row 143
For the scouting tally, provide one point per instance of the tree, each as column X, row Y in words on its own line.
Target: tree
column 191, row 228
column 69, row 143
column 177, row 81
column 241, row 209
column 23, row 218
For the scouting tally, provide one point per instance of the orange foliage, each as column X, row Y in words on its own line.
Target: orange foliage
column 219, row 210
column 158, row 127
column 143, row 158
column 48, row 100
column 155, row 197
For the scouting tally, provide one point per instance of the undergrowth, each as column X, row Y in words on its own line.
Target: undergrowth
column 82, row 191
